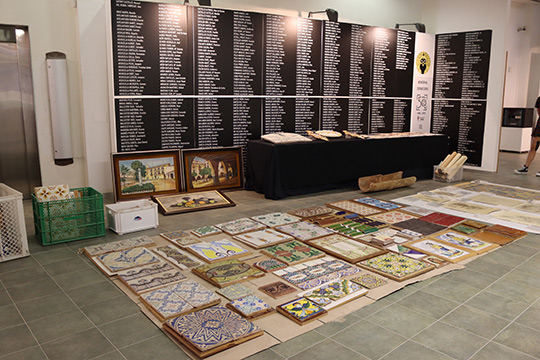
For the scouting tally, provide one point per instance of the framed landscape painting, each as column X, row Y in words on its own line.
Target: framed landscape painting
column 145, row 173
column 186, row 202
column 212, row 169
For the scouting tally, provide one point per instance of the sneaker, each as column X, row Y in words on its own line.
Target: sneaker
column 538, row 174
column 523, row 171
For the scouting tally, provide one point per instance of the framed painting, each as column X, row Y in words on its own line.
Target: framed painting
column 212, row 169
column 186, row 202
column 145, row 173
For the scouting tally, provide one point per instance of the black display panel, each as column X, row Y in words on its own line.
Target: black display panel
column 463, row 122
column 340, row 114
column 462, row 65
column 361, row 53
column 151, row 49
column 390, row 115
column 154, row 123
column 228, row 52
column 227, row 121
column 278, row 115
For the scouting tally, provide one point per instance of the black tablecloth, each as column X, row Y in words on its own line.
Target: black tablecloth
column 281, row 170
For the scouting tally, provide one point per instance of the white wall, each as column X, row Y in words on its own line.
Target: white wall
column 51, row 28
column 56, row 25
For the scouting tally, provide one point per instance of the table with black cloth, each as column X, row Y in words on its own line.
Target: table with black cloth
column 282, row 170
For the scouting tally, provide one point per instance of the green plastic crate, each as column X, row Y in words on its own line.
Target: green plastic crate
column 71, row 219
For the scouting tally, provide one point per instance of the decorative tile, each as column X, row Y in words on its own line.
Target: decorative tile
column 292, row 252
column 262, row 238
column 442, row 219
column 186, row 240
column 150, row 277
column 51, row 193
column 413, row 235
column 440, row 249
column 227, row 272
column 118, row 245
column 206, row 231
column 335, row 293
column 240, row 226
column 236, row 291
column 346, row 248
column 166, row 303
column 315, row 273
column 472, row 244
column 370, row 222
column 177, row 257
column 369, row 281
column 301, row 310
column 384, row 205
column 217, row 250
column 276, row 219
column 311, row 211
column 173, row 235
column 506, row 231
column 419, row 226
column 304, row 230
column 392, row 217
column 209, row 329
column 126, row 259
column 355, row 207
column 395, row 266
column 194, row 293
column 277, row 289
column 474, row 224
column 416, row 210
column 250, row 306
column 464, row 229
column 414, row 254
column 269, row 265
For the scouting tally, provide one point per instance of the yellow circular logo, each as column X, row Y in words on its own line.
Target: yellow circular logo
column 423, row 62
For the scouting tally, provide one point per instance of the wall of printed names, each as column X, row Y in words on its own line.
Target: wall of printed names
column 189, row 77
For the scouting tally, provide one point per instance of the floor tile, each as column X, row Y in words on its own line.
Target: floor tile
column 476, row 321
column 504, row 258
column 401, row 320
column 372, row 308
column 414, row 351
column 111, row 310
column 32, row 353
column 94, row 293
column 297, row 344
column 369, row 339
column 522, row 276
column 428, row 304
column 401, row 293
column 325, row 350
column 514, row 290
column 32, row 290
column 57, row 326
column 65, row 266
column 55, row 255
column 22, row 276
column 130, row 330
column 530, row 266
column 520, row 338
column 9, row 316
column 45, row 306
column 333, row 327
column 79, row 278
column 519, row 249
column 4, row 298
column 455, row 291
column 444, row 338
column 115, row 355
column 531, row 317
column 530, row 241
column 83, row 345
column 497, row 305
column 489, row 268
column 472, row 278
column 267, row 354
column 159, row 347
column 494, row 351
column 18, row 265
column 16, row 338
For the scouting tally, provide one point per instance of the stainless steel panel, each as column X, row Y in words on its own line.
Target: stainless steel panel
column 19, row 165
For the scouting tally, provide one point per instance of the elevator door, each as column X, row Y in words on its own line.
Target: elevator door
column 19, row 161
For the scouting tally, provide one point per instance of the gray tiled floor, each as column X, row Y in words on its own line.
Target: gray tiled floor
column 56, row 305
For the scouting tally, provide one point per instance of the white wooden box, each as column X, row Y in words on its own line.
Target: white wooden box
column 130, row 216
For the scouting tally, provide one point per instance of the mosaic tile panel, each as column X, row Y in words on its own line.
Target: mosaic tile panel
column 249, row 306
column 292, row 252
column 217, row 250
column 301, row 310
column 345, row 248
column 236, row 291
column 392, row 217
column 304, row 230
column 240, row 226
column 276, row 219
column 118, row 245
column 126, row 259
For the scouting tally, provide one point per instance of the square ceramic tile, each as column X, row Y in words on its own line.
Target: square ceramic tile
column 277, row 289
column 176, row 256
column 269, row 265
column 276, row 219
column 263, row 238
column 395, row 266
column 369, row 281
column 217, row 250
column 240, row 226
column 304, row 230
column 236, row 291
column 250, row 306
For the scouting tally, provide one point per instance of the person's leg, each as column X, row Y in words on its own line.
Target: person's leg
column 535, row 143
